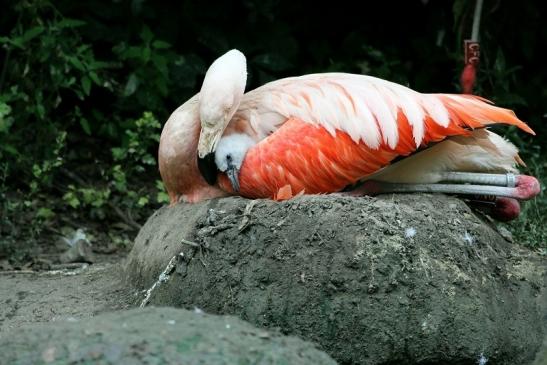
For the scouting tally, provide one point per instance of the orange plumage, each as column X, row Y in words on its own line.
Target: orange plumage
column 304, row 158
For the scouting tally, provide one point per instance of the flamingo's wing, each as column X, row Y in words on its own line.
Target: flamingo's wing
column 337, row 128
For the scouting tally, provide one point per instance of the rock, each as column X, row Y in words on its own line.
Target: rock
column 154, row 336
column 409, row 279
column 505, row 233
column 5, row 265
column 80, row 251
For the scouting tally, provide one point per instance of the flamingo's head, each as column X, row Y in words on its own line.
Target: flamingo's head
column 220, row 95
column 230, row 154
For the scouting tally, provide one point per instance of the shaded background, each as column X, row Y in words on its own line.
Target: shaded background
column 86, row 86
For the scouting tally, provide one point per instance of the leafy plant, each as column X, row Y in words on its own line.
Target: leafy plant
column 46, row 69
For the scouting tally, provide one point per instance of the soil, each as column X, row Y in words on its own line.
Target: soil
column 30, row 297
column 406, row 279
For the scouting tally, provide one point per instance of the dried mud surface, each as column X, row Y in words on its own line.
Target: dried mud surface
column 33, row 297
column 154, row 336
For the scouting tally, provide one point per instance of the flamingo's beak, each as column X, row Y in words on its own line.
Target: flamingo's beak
column 208, row 168
column 233, row 175
column 208, row 141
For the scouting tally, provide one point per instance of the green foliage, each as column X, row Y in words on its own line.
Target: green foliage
column 122, row 183
column 147, row 83
column 46, row 70
column 133, row 159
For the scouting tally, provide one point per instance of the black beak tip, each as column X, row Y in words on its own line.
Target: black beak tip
column 208, row 168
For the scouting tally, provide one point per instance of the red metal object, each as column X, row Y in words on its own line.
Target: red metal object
column 469, row 73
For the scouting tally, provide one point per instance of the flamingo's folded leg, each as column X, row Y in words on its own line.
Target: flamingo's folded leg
column 524, row 187
column 502, row 192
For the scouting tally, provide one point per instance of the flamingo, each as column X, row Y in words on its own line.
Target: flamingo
column 320, row 133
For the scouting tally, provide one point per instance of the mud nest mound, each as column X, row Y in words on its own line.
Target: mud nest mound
column 406, row 279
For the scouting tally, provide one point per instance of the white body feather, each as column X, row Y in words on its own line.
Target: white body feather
column 483, row 151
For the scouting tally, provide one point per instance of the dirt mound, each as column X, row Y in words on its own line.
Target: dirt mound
column 406, row 279
column 155, row 335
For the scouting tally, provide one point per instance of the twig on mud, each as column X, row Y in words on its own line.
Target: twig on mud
column 163, row 278
column 66, row 271
column 246, row 215
column 201, row 260
column 212, row 230
column 11, row 272
column 190, row 243
column 68, row 266
column 201, row 246
column 197, row 245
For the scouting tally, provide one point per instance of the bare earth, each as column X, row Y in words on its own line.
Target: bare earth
column 53, row 295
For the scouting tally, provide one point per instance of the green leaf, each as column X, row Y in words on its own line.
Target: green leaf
column 148, row 160
column 161, row 64
column 146, row 34
column 9, row 149
column 79, row 94
column 83, row 48
column 17, row 42
column 5, row 110
column 71, row 199
column 31, row 33
column 159, row 44
column 45, row 213
column 86, row 84
column 143, row 200
column 133, row 52
column 85, row 126
column 146, row 53
column 70, row 23
column 95, row 65
column 162, row 197
column 131, row 85
column 93, row 76
column 41, row 111
column 76, row 63
column 159, row 185
column 118, row 153
column 36, row 170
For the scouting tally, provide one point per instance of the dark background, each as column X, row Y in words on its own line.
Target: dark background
column 85, row 87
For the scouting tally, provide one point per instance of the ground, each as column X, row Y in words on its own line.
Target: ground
column 55, row 295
